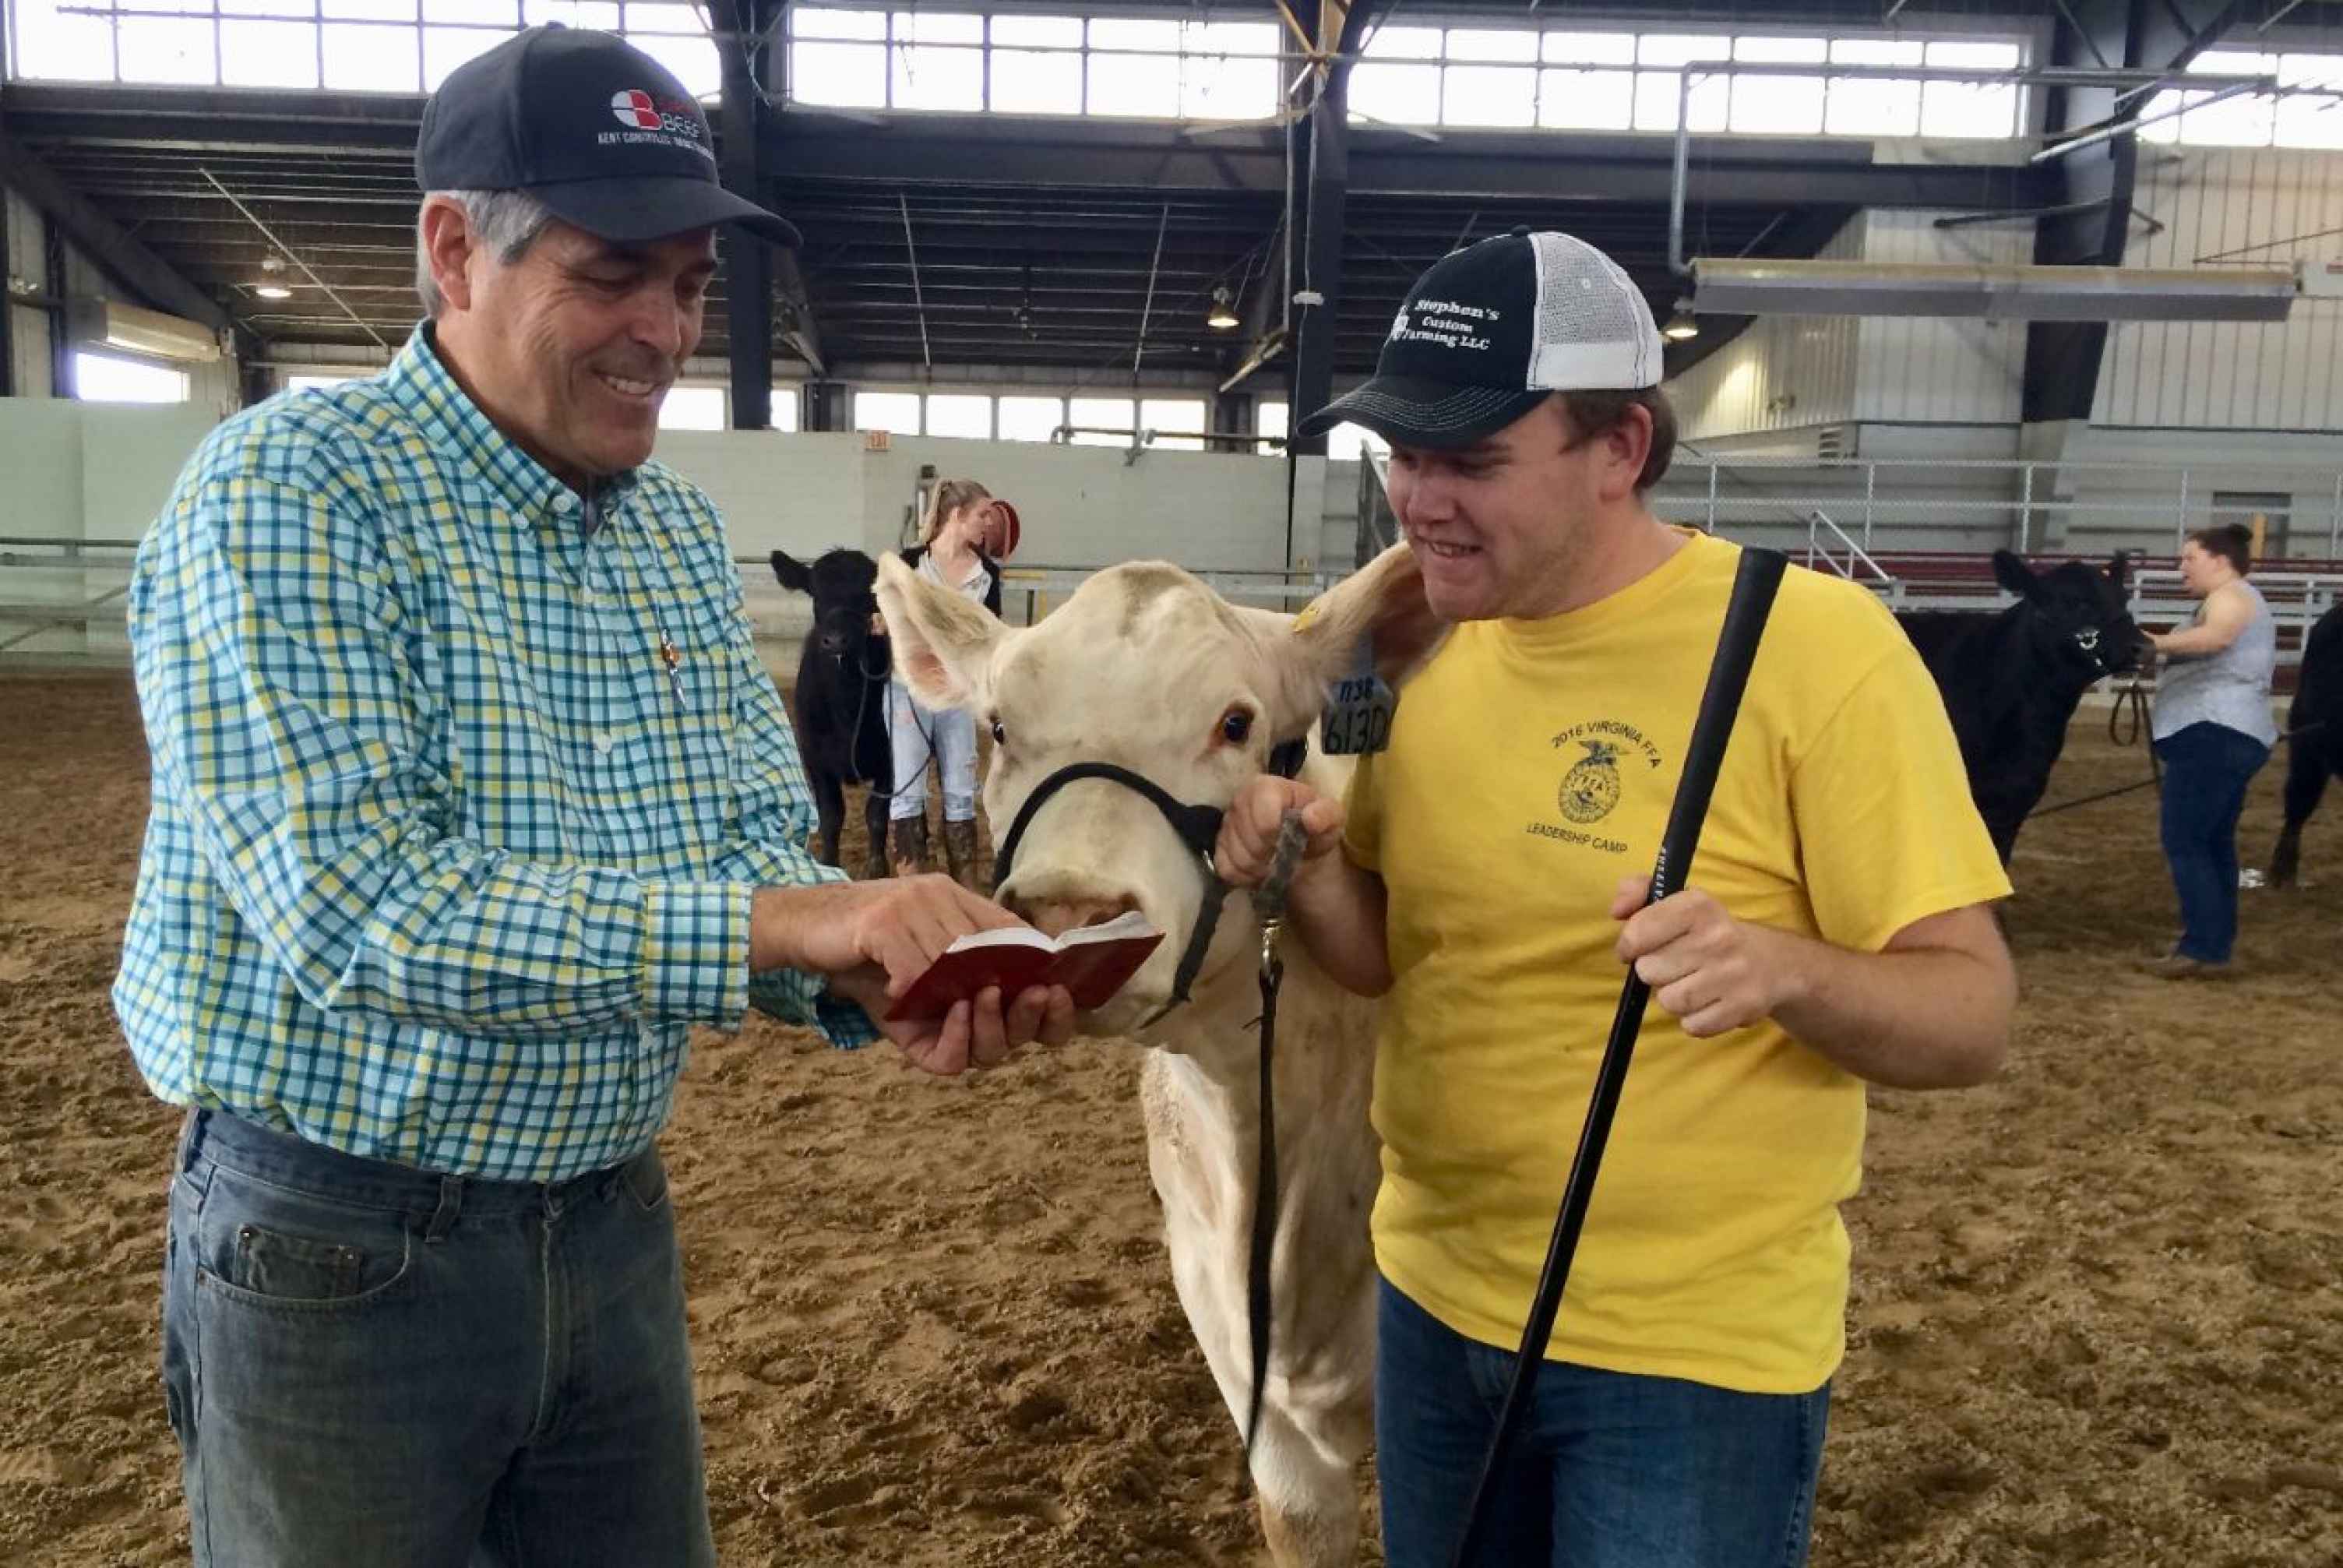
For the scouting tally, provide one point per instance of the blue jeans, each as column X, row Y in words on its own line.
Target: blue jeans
column 1611, row 1471
column 2206, row 768
column 918, row 735
column 376, row 1367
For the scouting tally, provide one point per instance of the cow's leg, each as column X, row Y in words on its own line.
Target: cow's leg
column 1309, row 1497
column 874, row 822
column 1311, row 1441
column 830, row 811
column 2306, row 781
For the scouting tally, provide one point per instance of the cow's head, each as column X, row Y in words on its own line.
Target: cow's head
column 2075, row 615
column 844, row 607
column 1147, row 667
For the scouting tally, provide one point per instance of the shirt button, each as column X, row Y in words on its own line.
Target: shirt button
column 603, row 742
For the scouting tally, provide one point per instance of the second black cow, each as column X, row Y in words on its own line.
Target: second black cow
column 2315, row 723
column 2012, row 681
column 841, row 702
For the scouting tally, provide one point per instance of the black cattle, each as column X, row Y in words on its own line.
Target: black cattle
column 2011, row 680
column 2314, row 721
column 841, row 707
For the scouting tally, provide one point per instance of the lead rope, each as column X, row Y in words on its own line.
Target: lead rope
column 1269, row 903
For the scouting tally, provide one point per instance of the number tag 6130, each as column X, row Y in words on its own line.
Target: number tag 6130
column 1358, row 716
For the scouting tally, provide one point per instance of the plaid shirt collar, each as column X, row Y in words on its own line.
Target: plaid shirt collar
column 419, row 381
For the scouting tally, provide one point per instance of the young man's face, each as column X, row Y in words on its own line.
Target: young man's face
column 573, row 346
column 1498, row 527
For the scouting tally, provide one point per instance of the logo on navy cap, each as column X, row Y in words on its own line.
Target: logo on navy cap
column 637, row 109
column 669, row 122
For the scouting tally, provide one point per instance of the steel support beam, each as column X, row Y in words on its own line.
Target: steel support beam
column 823, row 407
column 2095, row 181
column 1495, row 165
column 1000, row 151
column 7, row 295
column 1323, row 178
column 748, row 260
column 106, row 242
column 53, row 284
column 218, row 120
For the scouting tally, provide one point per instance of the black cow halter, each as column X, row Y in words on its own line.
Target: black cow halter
column 1199, row 828
column 2087, row 642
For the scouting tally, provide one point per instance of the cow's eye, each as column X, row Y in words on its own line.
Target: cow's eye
column 1236, row 725
column 1000, row 735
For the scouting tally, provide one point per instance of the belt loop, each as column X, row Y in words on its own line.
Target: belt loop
column 191, row 1138
column 451, row 1203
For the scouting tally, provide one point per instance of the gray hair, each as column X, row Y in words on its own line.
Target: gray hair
column 507, row 222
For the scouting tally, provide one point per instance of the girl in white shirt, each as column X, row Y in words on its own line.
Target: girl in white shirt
column 961, row 521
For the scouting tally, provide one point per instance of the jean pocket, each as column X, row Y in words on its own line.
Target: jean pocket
column 645, row 1178
column 270, row 1247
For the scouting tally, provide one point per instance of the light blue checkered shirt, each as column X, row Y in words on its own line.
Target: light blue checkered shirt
column 443, row 857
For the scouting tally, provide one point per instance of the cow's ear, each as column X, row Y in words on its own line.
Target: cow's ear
column 1382, row 604
column 943, row 644
column 2119, row 569
column 794, row 574
column 2010, row 570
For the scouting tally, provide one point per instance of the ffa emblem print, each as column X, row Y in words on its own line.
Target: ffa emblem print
column 1592, row 786
column 1591, row 789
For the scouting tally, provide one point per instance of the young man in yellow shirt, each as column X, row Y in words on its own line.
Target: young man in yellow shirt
column 1487, row 874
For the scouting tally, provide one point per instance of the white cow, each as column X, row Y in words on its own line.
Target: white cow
column 1147, row 667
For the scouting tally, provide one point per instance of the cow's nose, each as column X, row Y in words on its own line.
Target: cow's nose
column 1058, row 916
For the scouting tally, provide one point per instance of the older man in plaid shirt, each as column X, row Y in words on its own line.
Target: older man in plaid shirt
column 470, row 795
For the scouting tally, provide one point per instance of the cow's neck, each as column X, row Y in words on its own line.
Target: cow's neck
column 1214, row 1043
column 1210, row 1047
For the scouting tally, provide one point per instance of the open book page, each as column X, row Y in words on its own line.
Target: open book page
column 1132, row 924
column 1093, row 962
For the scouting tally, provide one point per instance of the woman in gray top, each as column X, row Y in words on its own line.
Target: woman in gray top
column 2213, row 732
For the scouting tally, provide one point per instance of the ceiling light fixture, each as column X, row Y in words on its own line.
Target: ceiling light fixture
column 1222, row 315
column 1681, row 326
column 273, row 291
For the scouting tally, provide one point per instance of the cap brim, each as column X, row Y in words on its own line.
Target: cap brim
column 1409, row 411
column 632, row 211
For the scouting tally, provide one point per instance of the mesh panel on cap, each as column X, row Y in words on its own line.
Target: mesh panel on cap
column 1584, row 299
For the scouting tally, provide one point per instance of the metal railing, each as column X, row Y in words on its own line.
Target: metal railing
column 1821, row 531
column 46, row 588
column 1027, row 593
column 1136, row 441
column 1917, row 531
column 1987, row 503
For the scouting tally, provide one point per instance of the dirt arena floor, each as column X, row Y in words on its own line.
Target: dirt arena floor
column 2098, row 1313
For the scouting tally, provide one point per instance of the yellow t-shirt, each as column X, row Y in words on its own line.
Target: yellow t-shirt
column 1531, row 767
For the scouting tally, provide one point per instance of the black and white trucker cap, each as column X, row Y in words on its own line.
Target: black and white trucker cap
column 1488, row 331
column 599, row 131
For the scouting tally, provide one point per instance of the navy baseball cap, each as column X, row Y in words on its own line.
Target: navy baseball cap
column 1489, row 331
column 602, row 133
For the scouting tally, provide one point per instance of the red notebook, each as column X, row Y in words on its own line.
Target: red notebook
column 1093, row 962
